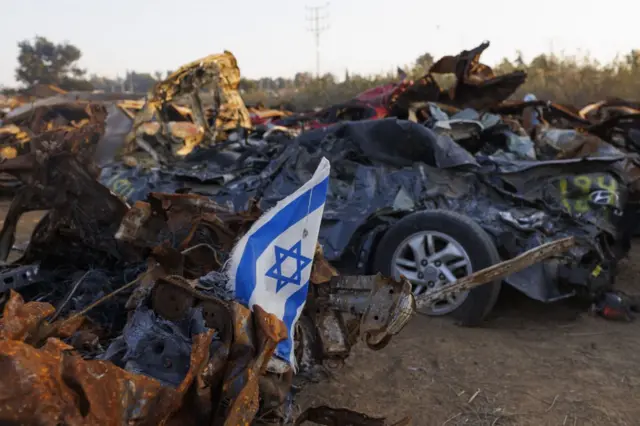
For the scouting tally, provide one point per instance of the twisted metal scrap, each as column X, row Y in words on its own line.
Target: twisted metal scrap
column 218, row 72
column 248, row 362
column 14, row 140
column 180, row 216
column 321, row 271
column 59, row 174
column 18, row 134
column 499, row 270
column 52, row 385
column 476, row 86
column 169, row 222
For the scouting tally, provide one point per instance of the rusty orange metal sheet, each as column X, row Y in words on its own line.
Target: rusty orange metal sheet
column 24, row 318
column 52, row 385
column 245, row 403
column 321, row 272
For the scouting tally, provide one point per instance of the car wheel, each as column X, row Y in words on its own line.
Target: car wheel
column 434, row 248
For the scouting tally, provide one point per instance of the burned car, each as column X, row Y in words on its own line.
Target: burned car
column 67, row 112
column 218, row 74
column 405, row 201
column 475, row 86
column 134, row 300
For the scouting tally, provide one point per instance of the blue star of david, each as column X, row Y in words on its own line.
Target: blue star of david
column 282, row 254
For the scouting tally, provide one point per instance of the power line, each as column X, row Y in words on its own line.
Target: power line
column 317, row 27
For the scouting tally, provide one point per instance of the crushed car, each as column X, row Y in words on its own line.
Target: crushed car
column 541, row 130
column 476, row 86
column 219, row 74
column 66, row 111
column 406, row 201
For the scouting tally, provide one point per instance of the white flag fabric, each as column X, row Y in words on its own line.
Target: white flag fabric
column 271, row 264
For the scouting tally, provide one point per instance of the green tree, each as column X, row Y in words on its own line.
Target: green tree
column 42, row 61
column 633, row 59
column 302, row 78
column 425, row 61
column 139, row 82
column 8, row 91
column 328, row 79
column 247, row 85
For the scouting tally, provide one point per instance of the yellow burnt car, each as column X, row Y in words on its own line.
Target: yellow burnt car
column 216, row 77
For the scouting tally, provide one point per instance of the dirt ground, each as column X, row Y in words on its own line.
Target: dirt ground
column 530, row 364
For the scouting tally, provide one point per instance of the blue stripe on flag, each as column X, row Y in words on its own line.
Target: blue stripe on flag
column 258, row 242
column 291, row 307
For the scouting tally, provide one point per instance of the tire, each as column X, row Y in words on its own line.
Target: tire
column 480, row 249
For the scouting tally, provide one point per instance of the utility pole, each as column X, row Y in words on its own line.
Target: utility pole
column 317, row 27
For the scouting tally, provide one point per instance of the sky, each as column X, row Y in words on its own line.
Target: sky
column 272, row 38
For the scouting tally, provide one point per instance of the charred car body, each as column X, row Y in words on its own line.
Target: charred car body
column 476, row 86
column 406, row 201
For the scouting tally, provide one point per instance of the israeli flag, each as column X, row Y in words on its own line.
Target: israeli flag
column 271, row 265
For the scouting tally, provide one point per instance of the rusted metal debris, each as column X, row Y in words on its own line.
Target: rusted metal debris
column 184, row 217
column 607, row 128
column 217, row 73
column 52, row 385
column 59, row 175
column 183, row 239
column 476, row 85
column 58, row 114
column 498, row 271
column 368, row 297
column 228, row 374
column 21, row 127
column 608, row 109
column 9, row 103
column 166, row 223
column 261, row 115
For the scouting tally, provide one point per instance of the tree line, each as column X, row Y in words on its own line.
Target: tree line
column 564, row 79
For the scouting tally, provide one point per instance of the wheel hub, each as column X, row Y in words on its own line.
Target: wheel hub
column 432, row 259
column 431, row 274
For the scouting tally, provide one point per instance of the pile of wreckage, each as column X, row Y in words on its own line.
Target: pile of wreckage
column 121, row 308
